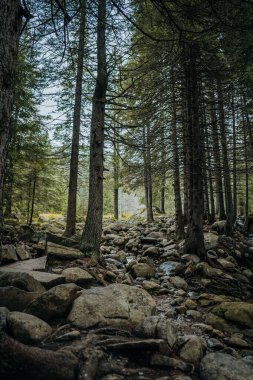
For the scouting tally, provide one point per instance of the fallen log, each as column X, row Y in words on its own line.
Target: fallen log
column 22, row 362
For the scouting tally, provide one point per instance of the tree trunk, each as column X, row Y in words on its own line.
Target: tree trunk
column 147, row 174
column 33, row 199
column 73, row 175
column 163, row 173
column 116, row 180
column 185, row 149
column 226, row 170
column 9, row 34
column 176, row 172
column 246, row 208
column 92, row 232
column 195, row 239
column 234, row 158
column 217, row 160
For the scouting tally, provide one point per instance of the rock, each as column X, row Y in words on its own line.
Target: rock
column 76, row 275
column 166, row 361
column 237, row 312
column 158, row 327
column 56, row 254
column 8, row 254
column 54, row 303
column 25, row 232
column 219, row 366
column 226, row 263
column 208, row 271
column 219, row 226
column 27, row 328
column 179, row 282
column 116, row 304
column 193, row 350
column 219, row 323
column 150, row 285
column 22, row 252
column 236, row 341
column 151, row 251
column 149, row 240
column 16, row 299
column 210, row 240
column 193, row 314
column 119, row 240
column 142, row 270
column 190, row 304
column 3, row 317
column 21, row 280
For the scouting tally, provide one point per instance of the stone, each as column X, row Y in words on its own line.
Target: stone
column 219, row 323
column 158, row 327
column 193, row 350
column 116, row 304
column 226, row 263
column 3, row 317
column 208, row 271
column 150, row 285
column 152, row 251
column 193, row 314
column 27, row 328
column 142, row 270
column 219, row 226
column 237, row 312
column 22, row 252
column 21, row 280
column 236, row 341
column 76, row 275
column 190, row 304
column 8, row 254
column 220, row 366
column 54, row 303
column 16, row 299
column 25, row 232
column 211, row 240
column 56, row 254
column 179, row 282
column 166, row 361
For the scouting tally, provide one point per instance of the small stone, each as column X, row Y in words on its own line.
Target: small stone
column 76, row 275
column 215, row 344
column 193, row 350
column 142, row 270
column 179, row 282
column 152, row 251
column 237, row 342
column 193, row 314
column 190, row 304
column 150, row 285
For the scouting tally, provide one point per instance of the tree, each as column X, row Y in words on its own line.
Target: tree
column 90, row 242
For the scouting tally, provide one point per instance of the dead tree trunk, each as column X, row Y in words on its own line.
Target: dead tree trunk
column 116, row 180
column 73, row 175
column 92, row 232
column 10, row 17
column 33, row 198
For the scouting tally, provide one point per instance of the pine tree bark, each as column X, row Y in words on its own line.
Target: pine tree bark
column 217, row 159
column 148, row 174
column 163, row 172
column 226, row 169
column 73, row 175
column 234, row 157
column 176, row 171
column 92, row 232
column 33, row 198
column 10, row 24
column 116, row 180
column 194, row 242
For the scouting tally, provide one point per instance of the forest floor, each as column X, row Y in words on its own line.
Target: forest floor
column 147, row 311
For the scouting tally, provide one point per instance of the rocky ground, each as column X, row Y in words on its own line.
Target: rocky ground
column 147, row 311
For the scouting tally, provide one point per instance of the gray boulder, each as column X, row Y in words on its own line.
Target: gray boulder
column 116, row 304
column 27, row 328
column 16, row 299
column 219, row 366
column 54, row 303
column 21, row 280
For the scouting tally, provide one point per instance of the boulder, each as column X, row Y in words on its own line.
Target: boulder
column 179, row 282
column 237, row 312
column 151, row 251
column 211, row 240
column 54, row 303
column 27, row 328
column 219, row 226
column 21, row 280
column 25, row 232
column 142, row 270
column 16, row 299
column 208, row 271
column 116, row 304
column 158, row 327
column 150, row 285
column 193, row 350
column 8, row 254
column 56, row 254
column 219, row 323
column 22, row 252
column 219, row 366
column 76, row 275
